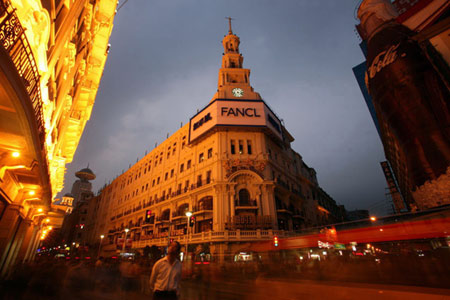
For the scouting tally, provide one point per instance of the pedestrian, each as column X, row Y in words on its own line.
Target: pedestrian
column 166, row 274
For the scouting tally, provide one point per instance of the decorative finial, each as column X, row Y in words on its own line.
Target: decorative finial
column 229, row 24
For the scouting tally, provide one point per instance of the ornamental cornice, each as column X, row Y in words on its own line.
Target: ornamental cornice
column 233, row 165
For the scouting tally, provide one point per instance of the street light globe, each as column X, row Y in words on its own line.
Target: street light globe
column 102, row 236
column 126, row 230
column 373, row 218
column 188, row 214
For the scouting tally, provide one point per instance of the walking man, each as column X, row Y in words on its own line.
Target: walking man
column 166, row 274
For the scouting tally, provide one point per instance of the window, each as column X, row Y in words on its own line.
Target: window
column 249, row 147
column 241, row 147
column 171, row 173
column 208, row 177
column 174, row 149
column 233, row 147
column 199, row 180
column 201, row 157
column 142, row 189
column 146, row 186
column 182, row 145
column 149, row 166
column 157, row 181
column 188, row 164
column 168, row 154
column 160, row 159
column 209, row 152
column 181, row 168
column 166, row 176
column 244, row 197
column 186, row 185
column 153, row 183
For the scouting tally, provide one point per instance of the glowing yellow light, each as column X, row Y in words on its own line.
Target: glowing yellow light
column 44, row 232
column 368, row 246
column 47, row 220
column 373, row 219
column 40, row 210
column 50, row 227
column 15, row 154
column 31, row 193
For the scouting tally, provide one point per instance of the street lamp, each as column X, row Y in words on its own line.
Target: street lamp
column 100, row 245
column 125, row 239
column 188, row 215
column 373, row 219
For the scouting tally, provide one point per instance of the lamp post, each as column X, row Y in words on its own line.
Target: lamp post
column 125, row 239
column 100, row 245
column 188, row 215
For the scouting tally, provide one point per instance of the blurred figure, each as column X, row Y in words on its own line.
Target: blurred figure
column 166, row 274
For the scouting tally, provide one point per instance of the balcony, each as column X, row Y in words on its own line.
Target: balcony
column 251, row 204
column 212, row 236
column 15, row 43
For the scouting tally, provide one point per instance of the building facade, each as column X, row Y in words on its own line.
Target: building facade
column 417, row 169
column 52, row 55
column 231, row 166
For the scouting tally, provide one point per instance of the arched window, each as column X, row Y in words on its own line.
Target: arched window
column 244, row 197
column 165, row 215
column 205, row 203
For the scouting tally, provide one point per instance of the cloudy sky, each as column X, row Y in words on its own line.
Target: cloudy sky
column 163, row 66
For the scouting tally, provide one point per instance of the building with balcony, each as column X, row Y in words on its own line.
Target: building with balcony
column 52, row 55
column 231, row 166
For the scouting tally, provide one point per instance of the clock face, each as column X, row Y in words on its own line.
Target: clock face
column 237, row 92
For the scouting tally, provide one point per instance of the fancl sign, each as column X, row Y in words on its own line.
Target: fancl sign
column 234, row 113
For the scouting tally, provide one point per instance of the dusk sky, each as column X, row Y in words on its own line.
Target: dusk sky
column 163, row 65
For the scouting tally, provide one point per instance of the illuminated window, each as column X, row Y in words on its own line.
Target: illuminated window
column 241, row 147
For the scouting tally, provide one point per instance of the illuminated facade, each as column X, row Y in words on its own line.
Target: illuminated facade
column 49, row 76
column 231, row 166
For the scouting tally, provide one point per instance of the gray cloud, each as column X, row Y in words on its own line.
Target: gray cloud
column 163, row 66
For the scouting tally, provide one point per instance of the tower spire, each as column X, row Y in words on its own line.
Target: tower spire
column 234, row 80
column 230, row 31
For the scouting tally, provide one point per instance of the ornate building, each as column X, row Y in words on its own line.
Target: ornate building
column 52, row 55
column 231, row 166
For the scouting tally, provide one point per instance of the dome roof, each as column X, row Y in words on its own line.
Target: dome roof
column 85, row 173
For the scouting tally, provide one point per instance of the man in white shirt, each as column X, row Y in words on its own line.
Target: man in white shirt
column 166, row 274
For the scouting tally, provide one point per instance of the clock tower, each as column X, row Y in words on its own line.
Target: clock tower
column 234, row 81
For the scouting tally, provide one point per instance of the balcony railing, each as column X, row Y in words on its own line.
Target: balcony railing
column 211, row 236
column 14, row 41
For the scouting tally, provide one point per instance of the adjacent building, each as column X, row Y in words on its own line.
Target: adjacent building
column 231, row 167
column 415, row 133
column 52, row 55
